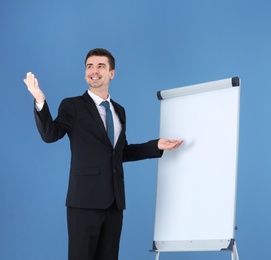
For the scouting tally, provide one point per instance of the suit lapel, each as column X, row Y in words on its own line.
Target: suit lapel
column 119, row 110
column 94, row 113
column 91, row 106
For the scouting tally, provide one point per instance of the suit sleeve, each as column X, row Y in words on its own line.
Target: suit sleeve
column 148, row 150
column 52, row 130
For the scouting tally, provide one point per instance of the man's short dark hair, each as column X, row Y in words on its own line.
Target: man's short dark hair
column 102, row 52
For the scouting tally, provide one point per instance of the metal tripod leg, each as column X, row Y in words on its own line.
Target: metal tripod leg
column 234, row 253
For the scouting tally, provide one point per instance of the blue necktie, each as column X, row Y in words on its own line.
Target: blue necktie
column 109, row 121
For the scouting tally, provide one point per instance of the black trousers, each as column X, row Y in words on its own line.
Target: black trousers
column 94, row 234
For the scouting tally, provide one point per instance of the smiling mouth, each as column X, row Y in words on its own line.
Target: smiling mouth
column 96, row 77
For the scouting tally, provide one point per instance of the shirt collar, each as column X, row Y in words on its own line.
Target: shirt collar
column 97, row 100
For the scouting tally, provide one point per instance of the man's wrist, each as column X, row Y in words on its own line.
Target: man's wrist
column 39, row 101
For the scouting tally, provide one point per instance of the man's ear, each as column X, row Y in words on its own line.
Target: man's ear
column 112, row 74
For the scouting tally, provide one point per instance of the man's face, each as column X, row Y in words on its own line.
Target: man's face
column 98, row 73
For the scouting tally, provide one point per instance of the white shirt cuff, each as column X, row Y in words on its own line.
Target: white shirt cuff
column 39, row 106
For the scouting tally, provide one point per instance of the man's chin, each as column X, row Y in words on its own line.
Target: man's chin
column 95, row 85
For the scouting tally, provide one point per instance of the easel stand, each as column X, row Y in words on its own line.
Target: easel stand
column 234, row 253
column 198, row 216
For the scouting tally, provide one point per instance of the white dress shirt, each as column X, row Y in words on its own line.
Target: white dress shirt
column 117, row 124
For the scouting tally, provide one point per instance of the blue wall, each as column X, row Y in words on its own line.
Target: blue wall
column 157, row 45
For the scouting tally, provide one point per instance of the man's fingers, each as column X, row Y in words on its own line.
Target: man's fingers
column 180, row 143
column 176, row 144
column 31, row 81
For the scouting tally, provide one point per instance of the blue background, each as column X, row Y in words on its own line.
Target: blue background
column 157, row 45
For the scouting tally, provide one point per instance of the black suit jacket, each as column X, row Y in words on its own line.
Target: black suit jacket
column 96, row 171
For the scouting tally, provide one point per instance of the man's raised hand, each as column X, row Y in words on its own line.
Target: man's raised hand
column 33, row 87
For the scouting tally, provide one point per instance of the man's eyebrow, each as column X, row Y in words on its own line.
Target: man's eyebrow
column 101, row 63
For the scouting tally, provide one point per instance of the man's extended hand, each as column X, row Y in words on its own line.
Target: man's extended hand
column 168, row 144
column 33, row 87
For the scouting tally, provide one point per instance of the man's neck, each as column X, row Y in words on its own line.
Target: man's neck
column 98, row 92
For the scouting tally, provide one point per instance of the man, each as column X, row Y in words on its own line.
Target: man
column 95, row 197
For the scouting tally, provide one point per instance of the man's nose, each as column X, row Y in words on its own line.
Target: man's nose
column 95, row 70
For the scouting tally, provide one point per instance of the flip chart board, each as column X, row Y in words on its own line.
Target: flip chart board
column 196, row 184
